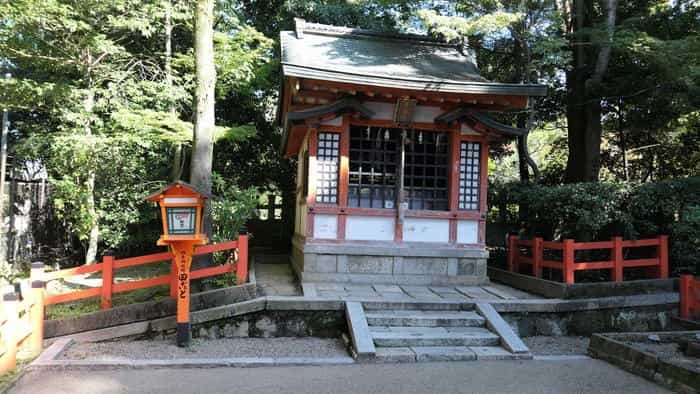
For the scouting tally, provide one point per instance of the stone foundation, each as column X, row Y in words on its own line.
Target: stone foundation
column 403, row 264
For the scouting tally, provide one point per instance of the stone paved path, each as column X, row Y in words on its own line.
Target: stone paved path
column 276, row 279
column 492, row 291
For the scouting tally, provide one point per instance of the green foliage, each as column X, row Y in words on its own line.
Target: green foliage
column 231, row 208
column 563, row 211
column 452, row 28
column 597, row 211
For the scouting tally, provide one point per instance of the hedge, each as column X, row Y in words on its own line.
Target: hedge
column 598, row 211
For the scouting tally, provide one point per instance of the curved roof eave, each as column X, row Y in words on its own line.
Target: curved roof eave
column 438, row 86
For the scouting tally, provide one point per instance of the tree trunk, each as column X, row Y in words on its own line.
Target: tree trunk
column 583, row 98
column 204, row 122
column 93, row 238
column 178, row 152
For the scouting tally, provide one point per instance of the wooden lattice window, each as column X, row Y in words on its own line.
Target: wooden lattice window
column 426, row 170
column 373, row 164
column 469, row 168
column 327, row 155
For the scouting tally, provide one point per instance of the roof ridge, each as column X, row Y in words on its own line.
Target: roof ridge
column 302, row 26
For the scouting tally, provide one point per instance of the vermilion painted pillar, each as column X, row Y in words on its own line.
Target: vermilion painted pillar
column 182, row 255
column 242, row 265
column 617, row 259
column 568, row 261
column 107, row 281
column 513, row 253
column 685, row 293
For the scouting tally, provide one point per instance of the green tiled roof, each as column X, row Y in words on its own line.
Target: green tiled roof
column 395, row 61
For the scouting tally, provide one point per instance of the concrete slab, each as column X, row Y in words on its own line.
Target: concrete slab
column 425, row 318
column 359, row 330
column 499, row 293
column 395, row 354
column 495, row 322
column 475, row 292
column 409, row 336
column 491, row 353
column 388, row 289
column 443, row 353
column 304, row 303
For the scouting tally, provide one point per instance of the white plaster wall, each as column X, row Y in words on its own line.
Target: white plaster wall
column 385, row 111
column 426, row 230
column 369, row 228
column 326, row 226
column 467, row 231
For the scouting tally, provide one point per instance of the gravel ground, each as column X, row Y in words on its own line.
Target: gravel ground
column 218, row 348
column 546, row 346
column 667, row 351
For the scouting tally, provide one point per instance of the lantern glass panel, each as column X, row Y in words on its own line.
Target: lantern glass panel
column 181, row 220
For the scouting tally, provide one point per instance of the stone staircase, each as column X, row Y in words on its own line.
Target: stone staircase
column 421, row 334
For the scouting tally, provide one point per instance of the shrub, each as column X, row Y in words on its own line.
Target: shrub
column 597, row 211
column 231, row 208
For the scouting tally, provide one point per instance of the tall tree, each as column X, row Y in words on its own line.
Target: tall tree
column 589, row 65
column 80, row 88
column 205, row 91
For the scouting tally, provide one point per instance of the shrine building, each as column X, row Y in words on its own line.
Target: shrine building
column 391, row 135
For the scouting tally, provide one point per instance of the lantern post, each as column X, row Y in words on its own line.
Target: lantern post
column 181, row 213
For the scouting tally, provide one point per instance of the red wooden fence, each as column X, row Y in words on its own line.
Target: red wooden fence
column 22, row 317
column 568, row 265
column 21, row 321
column 690, row 297
column 109, row 264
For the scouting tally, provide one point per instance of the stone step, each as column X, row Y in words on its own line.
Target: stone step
column 418, row 305
column 432, row 336
column 414, row 318
column 445, row 353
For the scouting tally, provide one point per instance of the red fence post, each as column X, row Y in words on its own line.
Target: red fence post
column 512, row 253
column 537, row 252
column 617, row 259
column 11, row 308
column 107, row 281
column 662, row 253
column 36, row 317
column 568, row 261
column 242, row 264
column 685, row 290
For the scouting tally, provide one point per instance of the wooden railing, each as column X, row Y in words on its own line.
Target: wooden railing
column 21, row 321
column 690, row 297
column 22, row 315
column 616, row 264
column 109, row 264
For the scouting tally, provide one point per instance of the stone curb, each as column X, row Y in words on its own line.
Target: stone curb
column 610, row 348
column 298, row 303
column 145, row 311
column 561, row 357
column 236, row 362
column 551, row 289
